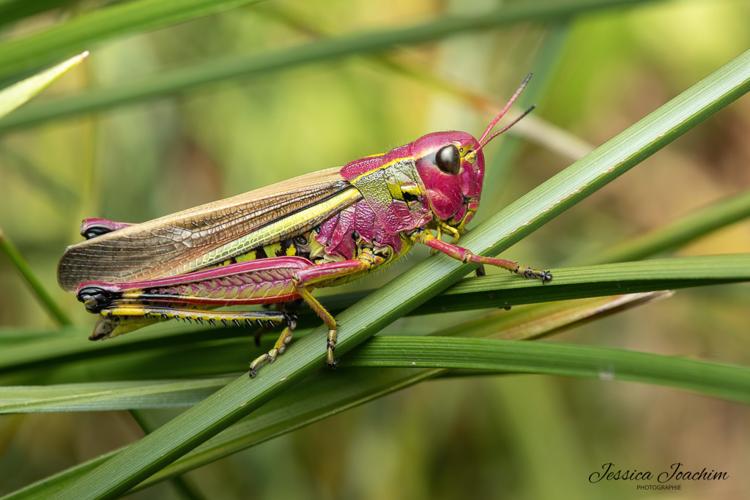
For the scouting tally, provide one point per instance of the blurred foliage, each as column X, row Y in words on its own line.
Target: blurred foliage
column 490, row 437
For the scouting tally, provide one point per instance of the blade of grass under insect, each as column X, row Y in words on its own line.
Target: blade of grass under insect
column 34, row 50
column 721, row 380
column 19, row 93
column 154, row 394
column 180, row 484
column 209, row 352
column 520, row 218
column 720, row 214
column 36, row 357
column 43, row 297
column 329, row 393
column 546, row 319
column 171, row 82
column 503, row 290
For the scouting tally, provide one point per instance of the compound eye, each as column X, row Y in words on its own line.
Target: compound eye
column 448, row 159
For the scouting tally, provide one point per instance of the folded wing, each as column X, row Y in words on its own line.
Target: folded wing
column 208, row 234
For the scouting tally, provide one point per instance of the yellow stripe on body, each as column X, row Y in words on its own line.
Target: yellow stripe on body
column 288, row 225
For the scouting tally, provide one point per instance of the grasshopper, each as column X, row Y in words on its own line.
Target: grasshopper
column 276, row 244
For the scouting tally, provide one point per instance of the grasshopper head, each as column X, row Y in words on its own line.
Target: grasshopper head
column 451, row 166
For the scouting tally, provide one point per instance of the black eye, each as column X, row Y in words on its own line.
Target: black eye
column 448, row 160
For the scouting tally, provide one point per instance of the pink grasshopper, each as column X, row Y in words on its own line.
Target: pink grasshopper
column 276, row 244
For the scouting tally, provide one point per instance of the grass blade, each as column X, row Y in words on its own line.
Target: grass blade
column 19, row 93
column 242, row 396
column 212, row 351
column 498, row 356
column 546, row 319
column 37, row 49
column 503, row 356
column 10, row 99
column 32, row 175
column 35, row 284
column 153, row 394
column 181, row 80
column 99, row 396
column 606, row 279
column 503, row 290
column 699, row 223
column 15, row 10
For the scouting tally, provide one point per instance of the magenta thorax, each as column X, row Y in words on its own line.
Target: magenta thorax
column 389, row 210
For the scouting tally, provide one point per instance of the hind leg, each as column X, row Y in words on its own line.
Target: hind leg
column 278, row 348
column 119, row 319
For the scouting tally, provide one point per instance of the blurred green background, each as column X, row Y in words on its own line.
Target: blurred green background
column 517, row 437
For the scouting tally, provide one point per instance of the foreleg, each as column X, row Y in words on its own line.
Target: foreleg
column 465, row 255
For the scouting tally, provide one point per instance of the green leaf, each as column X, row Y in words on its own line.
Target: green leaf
column 170, row 82
column 81, row 32
column 242, row 396
column 19, row 93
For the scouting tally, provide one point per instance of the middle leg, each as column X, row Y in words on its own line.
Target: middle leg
column 326, row 274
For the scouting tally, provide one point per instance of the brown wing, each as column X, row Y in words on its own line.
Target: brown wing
column 193, row 238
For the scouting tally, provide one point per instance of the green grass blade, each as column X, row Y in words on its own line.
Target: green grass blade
column 501, row 290
column 689, row 228
column 329, row 393
column 212, row 351
column 240, row 397
column 33, row 176
column 99, row 396
column 35, row 284
column 10, row 99
column 546, row 319
column 15, row 10
column 81, row 32
column 726, row 381
column 362, row 43
column 19, row 93
column 594, row 281
column 184, row 489
column 153, row 394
